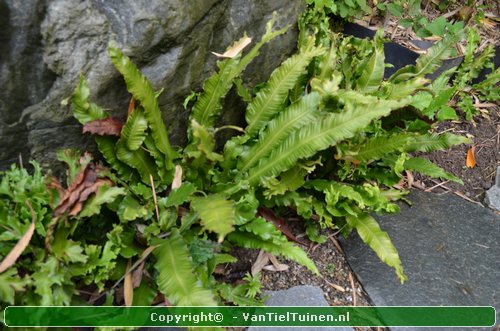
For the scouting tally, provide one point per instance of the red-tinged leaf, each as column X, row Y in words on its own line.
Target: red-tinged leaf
column 278, row 222
column 86, row 182
column 110, row 126
column 470, row 162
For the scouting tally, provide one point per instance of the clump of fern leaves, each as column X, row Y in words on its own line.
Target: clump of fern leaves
column 323, row 137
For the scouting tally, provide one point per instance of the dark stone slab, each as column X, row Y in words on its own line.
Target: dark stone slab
column 450, row 252
column 492, row 198
column 305, row 295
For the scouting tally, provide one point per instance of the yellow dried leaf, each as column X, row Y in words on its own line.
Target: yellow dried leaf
column 236, row 48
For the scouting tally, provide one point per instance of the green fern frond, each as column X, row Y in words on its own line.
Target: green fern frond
column 435, row 142
column 298, row 114
column 270, row 99
column 216, row 212
column 370, row 232
column 83, row 110
column 134, row 131
column 277, row 245
column 106, row 145
column 208, row 105
column 176, row 278
column 375, row 148
column 428, row 168
column 138, row 159
column 373, row 73
column 269, row 35
column 405, row 88
column 317, row 136
column 141, row 89
column 428, row 62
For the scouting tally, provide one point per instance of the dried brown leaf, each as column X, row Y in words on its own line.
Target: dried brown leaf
column 110, row 126
column 137, row 275
column 260, row 262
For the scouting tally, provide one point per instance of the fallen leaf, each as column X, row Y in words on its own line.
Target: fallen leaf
column 470, row 162
column 260, row 262
column 128, row 286
column 137, row 275
column 21, row 245
column 236, row 48
column 177, row 182
column 110, row 126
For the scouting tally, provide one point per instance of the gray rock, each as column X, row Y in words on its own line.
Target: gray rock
column 449, row 250
column 46, row 44
column 492, row 198
column 304, row 295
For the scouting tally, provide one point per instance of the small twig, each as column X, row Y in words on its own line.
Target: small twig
column 154, row 197
column 354, row 297
column 436, row 186
column 233, row 127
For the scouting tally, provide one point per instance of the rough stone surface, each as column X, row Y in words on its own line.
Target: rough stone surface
column 492, row 198
column 304, row 295
column 46, row 44
column 449, row 249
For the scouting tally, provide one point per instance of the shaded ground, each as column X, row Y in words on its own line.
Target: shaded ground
column 485, row 134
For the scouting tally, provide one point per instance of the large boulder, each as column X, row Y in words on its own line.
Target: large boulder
column 46, row 44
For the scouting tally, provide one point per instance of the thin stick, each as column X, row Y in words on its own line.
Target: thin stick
column 154, row 197
column 354, row 297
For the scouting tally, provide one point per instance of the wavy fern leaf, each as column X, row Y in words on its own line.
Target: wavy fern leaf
column 138, row 159
column 83, row 110
column 106, row 145
column 373, row 73
column 176, row 278
column 105, row 194
column 141, row 89
column 216, row 212
column 298, row 114
column 208, row 105
column 435, row 142
column 375, row 148
column 306, row 141
column 428, row 168
column 428, row 62
column 279, row 245
column 254, row 51
column 371, row 233
column 134, row 131
column 270, row 99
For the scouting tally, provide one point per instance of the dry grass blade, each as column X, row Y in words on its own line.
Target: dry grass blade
column 128, row 286
column 21, row 245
